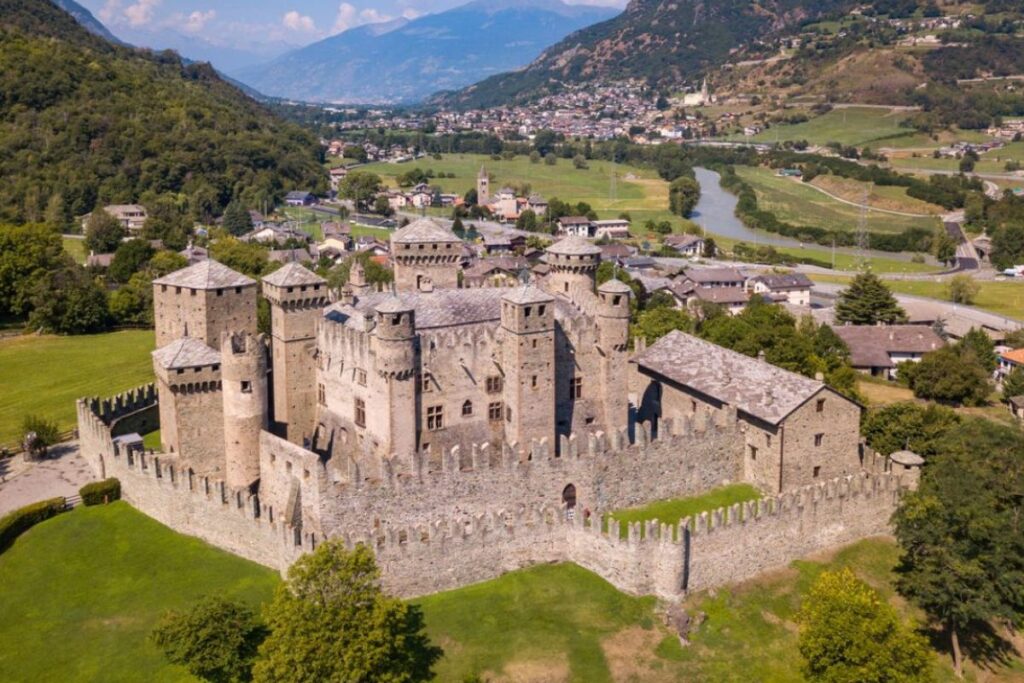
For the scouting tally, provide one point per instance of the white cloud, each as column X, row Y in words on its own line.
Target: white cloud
column 298, row 22
column 141, row 12
column 110, row 11
column 196, row 22
column 349, row 16
column 410, row 13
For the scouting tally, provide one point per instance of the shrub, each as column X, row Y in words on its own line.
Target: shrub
column 100, row 492
column 14, row 524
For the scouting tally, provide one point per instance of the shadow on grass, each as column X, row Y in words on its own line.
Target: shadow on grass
column 980, row 643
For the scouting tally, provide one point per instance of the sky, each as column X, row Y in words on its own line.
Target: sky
column 246, row 25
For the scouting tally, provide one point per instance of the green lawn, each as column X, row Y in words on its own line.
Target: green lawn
column 671, row 511
column 851, row 126
column 152, row 440
column 44, row 375
column 849, row 262
column 82, row 591
column 76, row 248
column 638, row 191
column 796, row 203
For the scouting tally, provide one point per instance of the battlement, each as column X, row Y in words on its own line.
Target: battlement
column 107, row 410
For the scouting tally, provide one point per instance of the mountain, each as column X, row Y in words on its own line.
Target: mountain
column 225, row 57
column 405, row 61
column 86, row 19
column 84, row 121
column 661, row 41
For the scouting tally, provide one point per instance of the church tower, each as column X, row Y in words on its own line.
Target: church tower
column 395, row 348
column 244, row 376
column 483, row 187
column 297, row 297
column 528, row 362
column 613, row 340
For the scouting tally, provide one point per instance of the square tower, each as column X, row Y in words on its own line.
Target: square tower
column 483, row 187
column 528, row 362
column 426, row 256
column 203, row 301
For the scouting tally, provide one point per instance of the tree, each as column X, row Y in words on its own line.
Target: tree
column 331, row 621
column 27, row 253
column 376, row 274
column 215, row 640
column 471, row 198
column 977, row 342
column 164, row 262
column 1013, row 384
column 132, row 303
column 534, row 157
column 579, row 162
column 960, row 532
column 848, row 634
column 360, row 187
column 245, row 257
column 131, row 257
column 46, row 431
column 948, row 376
column 527, row 221
column 867, row 301
column 944, row 246
column 963, row 289
column 1007, row 245
column 710, row 248
column 922, row 429
column 550, row 159
column 168, row 222
column 683, row 195
column 103, row 232
column 57, row 215
column 68, row 301
column 236, row 219
column 655, row 323
column 382, row 206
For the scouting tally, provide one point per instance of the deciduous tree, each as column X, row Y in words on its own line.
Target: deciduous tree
column 103, row 232
column 130, row 257
column 963, row 289
column 68, row 301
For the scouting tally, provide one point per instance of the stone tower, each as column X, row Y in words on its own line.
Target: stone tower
column 528, row 363
column 573, row 263
column 483, row 187
column 297, row 297
column 357, row 279
column 397, row 363
column 613, row 340
column 426, row 255
column 203, row 301
column 188, row 377
column 244, row 373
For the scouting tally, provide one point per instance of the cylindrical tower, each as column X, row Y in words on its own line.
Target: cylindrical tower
column 613, row 340
column 613, row 314
column 574, row 263
column 397, row 365
column 244, row 381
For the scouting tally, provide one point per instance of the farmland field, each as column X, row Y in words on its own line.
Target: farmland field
column 849, row 126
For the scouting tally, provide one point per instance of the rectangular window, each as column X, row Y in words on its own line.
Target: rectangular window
column 360, row 377
column 693, row 406
column 360, row 413
column 426, row 382
column 494, row 385
column 821, row 405
column 753, row 452
column 817, row 471
column 246, row 387
column 321, row 394
column 818, row 438
column 576, row 388
column 467, row 409
column 533, row 381
column 494, row 411
column 768, row 440
column 435, row 418
column 508, row 413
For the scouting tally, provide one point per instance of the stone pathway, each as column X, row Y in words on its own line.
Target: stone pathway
column 22, row 483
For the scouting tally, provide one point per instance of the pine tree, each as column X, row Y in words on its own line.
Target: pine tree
column 237, row 220
column 980, row 344
column 867, row 301
column 1013, row 384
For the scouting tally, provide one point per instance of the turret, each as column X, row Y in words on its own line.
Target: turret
column 426, row 256
column 244, row 380
column 528, row 363
column 613, row 340
column 297, row 297
column 357, row 279
column 573, row 263
column 396, row 365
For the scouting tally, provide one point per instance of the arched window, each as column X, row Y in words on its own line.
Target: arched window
column 467, row 409
column 569, row 496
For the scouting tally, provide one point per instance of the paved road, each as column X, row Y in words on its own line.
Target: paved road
column 22, row 483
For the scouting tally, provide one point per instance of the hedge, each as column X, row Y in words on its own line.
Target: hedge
column 100, row 492
column 14, row 524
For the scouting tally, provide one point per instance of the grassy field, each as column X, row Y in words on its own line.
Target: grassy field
column 844, row 261
column 638, row 191
column 793, row 202
column 888, row 197
column 851, row 126
column 82, row 592
column 671, row 511
column 76, row 248
column 44, row 375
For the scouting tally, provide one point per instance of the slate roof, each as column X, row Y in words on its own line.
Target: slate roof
column 703, row 275
column 722, row 295
column 574, row 246
column 187, row 352
column 574, row 220
column 750, row 385
column 786, row 281
column 527, row 295
column 615, row 286
column 293, row 274
column 208, row 274
column 423, row 230
column 871, row 345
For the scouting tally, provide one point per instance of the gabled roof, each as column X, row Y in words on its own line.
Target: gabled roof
column 785, row 281
column 527, row 295
column 208, row 274
column 871, row 345
column 293, row 274
column 423, row 230
column 750, row 385
column 701, row 275
column 187, row 352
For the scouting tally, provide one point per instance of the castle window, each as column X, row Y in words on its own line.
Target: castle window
column 321, row 395
column 533, row 381
column 192, row 292
column 527, row 311
column 494, row 411
column 753, row 452
column 360, row 413
column 246, row 387
column 426, row 382
column 576, row 388
column 435, row 418
column 360, row 377
column 302, row 288
column 238, row 290
column 396, row 319
column 534, row 343
column 616, row 299
column 494, row 385
column 821, row 405
column 177, row 290
column 508, row 413
column 215, row 367
column 541, row 309
column 291, row 289
column 693, row 406
column 768, row 440
column 817, row 471
column 163, row 288
column 818, row 438
column 467, row 409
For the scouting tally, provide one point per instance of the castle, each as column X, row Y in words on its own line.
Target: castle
column 496, row 419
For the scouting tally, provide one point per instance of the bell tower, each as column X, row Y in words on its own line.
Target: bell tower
column 483, row 187
column 528, row 361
